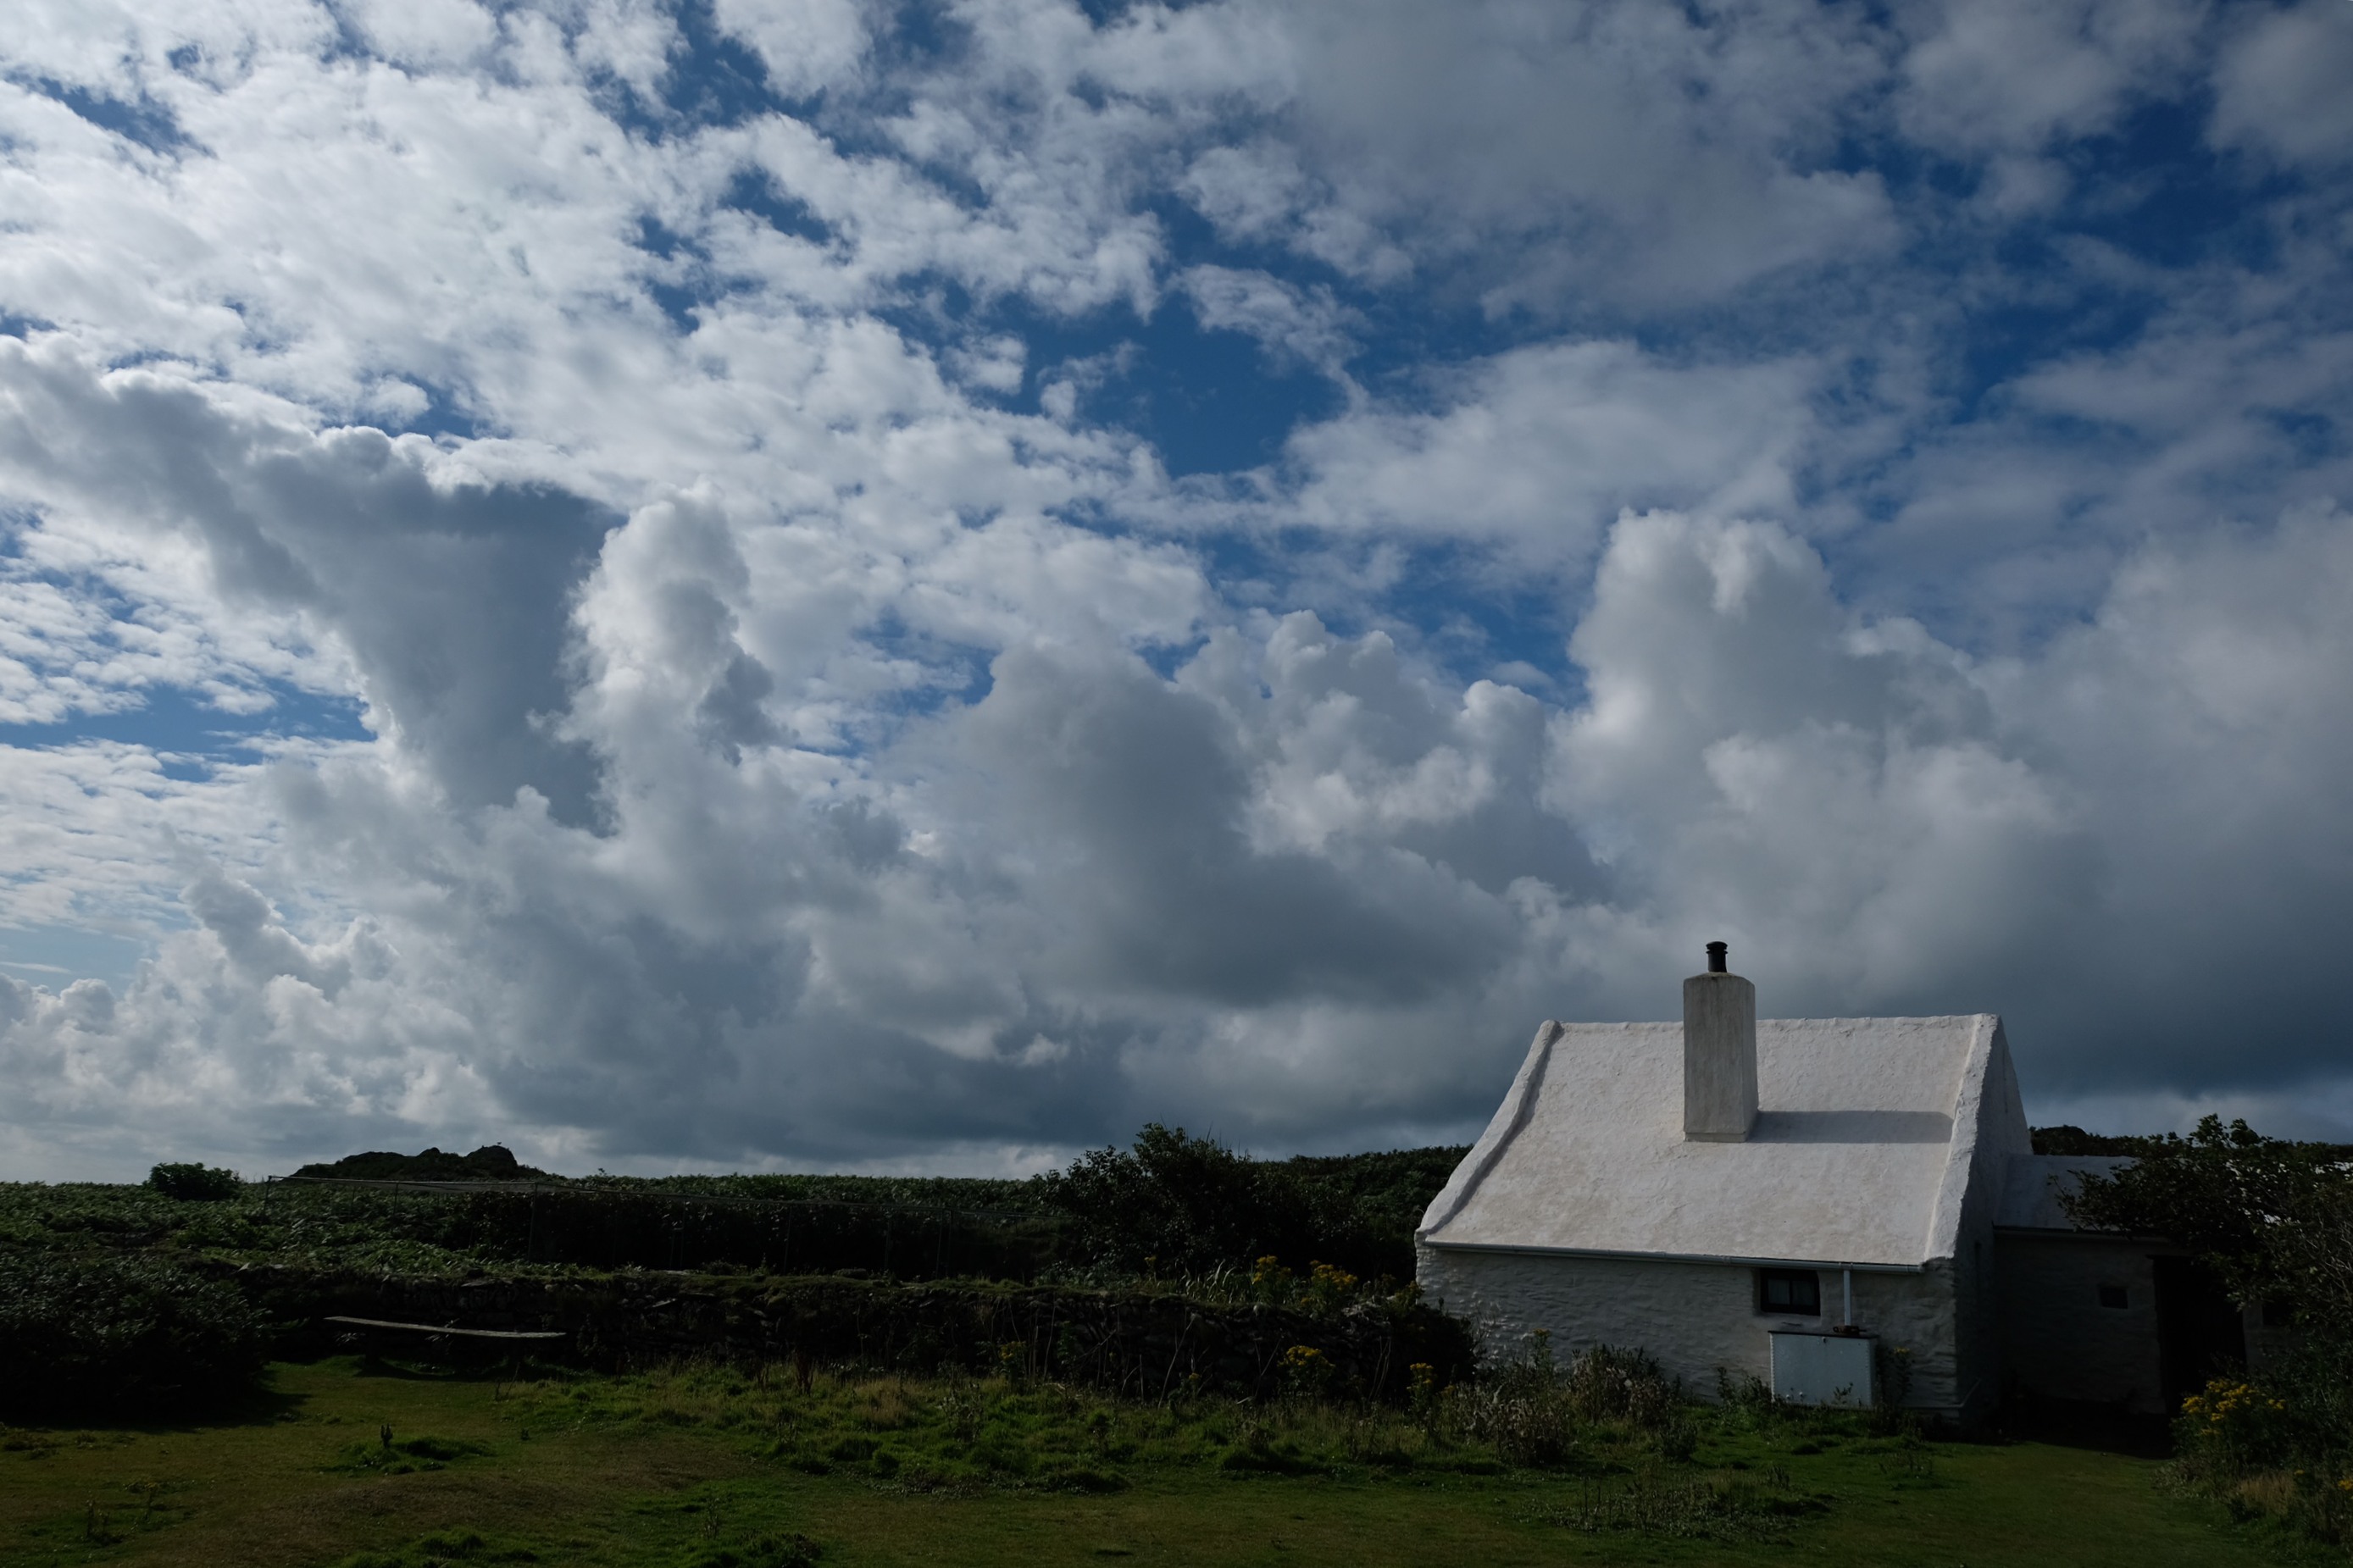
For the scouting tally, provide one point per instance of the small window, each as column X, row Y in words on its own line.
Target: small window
column 1791, row 1293
column 2115, row 1296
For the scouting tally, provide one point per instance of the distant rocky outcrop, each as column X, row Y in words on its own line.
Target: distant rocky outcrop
column 2073, row 1140
column 491, row 1162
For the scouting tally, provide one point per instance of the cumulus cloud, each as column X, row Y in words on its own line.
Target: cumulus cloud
column 1539, row 448
column 718, row 457
column 2276, row 85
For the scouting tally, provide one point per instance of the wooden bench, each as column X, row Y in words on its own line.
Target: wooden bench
column 514, row 1342
column 449, row 1329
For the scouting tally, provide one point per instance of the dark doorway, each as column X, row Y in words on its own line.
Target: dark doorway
column 2199, row 1334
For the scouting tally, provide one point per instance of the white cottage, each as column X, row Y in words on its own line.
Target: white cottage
column 1791, row 1199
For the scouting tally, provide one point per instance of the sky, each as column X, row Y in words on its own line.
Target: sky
column 827, row 584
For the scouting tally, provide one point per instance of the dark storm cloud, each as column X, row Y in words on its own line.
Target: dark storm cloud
column 1133, row 794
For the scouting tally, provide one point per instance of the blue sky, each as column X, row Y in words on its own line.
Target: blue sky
column 910, row 586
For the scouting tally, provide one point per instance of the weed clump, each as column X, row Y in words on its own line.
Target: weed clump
column 2275, row 1449
column 1531, row 1412
column 441, row 1549
column 761, row 1551
column 407, row 1455
column 1720, row 1506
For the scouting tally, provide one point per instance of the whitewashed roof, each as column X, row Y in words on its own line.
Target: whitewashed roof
column 1869, row 1132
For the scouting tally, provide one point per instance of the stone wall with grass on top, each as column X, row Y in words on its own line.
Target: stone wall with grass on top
column 1139, row 1343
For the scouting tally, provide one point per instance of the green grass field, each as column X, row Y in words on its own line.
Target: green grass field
column 344, row 1465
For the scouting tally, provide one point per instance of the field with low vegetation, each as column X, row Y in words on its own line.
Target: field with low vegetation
column 341, row 1462
column 1169, row 1352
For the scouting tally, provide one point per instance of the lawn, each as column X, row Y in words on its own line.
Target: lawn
column 347, row 1463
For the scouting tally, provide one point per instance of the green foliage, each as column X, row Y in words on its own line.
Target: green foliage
column 1368, row 1205
column 2275, row 1220
column 1532, row 1411
column 788, row 1551
column 195, row 1184
column 124, row 1335
column 1722, row 1506
column 391, row 1456
column 440, row 1548
column 524, row 1232
column 613, row 1477
column 976, row 1434
column 2277, row 1447
column 1610, row 1384
column 1175, row 1208
column 946, row 1193
column 1173, row 1203
column 319, row 1227
column 2068, row 1139
column 2233, row 1425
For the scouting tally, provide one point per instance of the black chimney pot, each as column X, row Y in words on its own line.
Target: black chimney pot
column 1716, row 951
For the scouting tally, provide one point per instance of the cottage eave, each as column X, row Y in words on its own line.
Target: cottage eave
column 1726, row 1259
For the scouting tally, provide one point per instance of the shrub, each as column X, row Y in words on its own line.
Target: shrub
column 195, row 1184
column 1307, row 1370
column 2274, row 1221
column 2232, row 1428
column 81, row 1336
column 1526, row 1422
column 1610, row 1384
column 1518, row 1408
column 1176, row 1203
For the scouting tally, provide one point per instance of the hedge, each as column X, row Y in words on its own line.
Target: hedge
column 120, row 1336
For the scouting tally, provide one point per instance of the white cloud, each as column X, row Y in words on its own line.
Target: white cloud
column 807, row 44
column 2280, row 84
column 787, row 747
column 2125, row 829
column 2011, row 76
column 1540, row 447
column 1541, row 151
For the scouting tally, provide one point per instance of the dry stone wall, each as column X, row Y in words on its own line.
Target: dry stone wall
column 1140, row 1343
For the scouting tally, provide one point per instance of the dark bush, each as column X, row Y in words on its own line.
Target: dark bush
column 2069, row 1139
column 1176, row 1203
column 82, row 1337
column 2274, row 1220
column 195, row 1184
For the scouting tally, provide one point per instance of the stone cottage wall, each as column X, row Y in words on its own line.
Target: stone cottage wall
column 1693, row 1317
column 2059, row 1341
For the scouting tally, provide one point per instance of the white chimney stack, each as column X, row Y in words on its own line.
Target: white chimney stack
column 1719, row 1053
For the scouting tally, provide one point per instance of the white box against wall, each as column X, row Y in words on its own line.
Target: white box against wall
column 1822, row 1369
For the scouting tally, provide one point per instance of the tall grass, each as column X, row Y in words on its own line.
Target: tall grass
column 1601, row 1413
column 2277, row 1447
